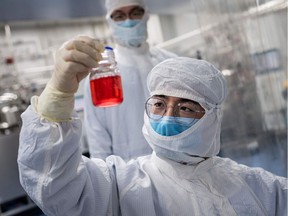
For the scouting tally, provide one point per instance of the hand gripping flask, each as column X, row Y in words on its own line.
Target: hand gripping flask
column 105, row 81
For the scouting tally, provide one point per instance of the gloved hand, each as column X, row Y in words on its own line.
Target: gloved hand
column 72, row 63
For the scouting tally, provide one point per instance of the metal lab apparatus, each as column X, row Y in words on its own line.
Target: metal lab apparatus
column 13, row 198
column 10, row 110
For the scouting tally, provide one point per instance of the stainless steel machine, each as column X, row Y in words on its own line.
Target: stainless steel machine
column 13, row 199
column 10, row 110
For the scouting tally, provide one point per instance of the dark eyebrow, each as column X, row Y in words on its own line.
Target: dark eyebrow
column 183, row 100
column 132, row 9
column 187, row 100
column 161, row 96
column 137, row 8
column 117, row 12
column 180, row 100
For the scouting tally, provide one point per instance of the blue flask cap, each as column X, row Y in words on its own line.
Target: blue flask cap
column 108, row 48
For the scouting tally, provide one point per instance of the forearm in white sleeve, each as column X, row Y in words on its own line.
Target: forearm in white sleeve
column 54, row 174
column 54, row 105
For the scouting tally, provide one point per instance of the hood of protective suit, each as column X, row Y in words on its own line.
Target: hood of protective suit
column 132, row 37
column 112, row 5
column 196, row 80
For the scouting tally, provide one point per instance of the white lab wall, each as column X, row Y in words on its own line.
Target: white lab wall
column 256, row 33
column 155, row 33
column 266, row 33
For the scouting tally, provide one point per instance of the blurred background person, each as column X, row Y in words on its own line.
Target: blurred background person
column 116, row 130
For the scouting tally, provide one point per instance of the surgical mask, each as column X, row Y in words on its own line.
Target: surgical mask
column 191, row 146
column 130, row 36
column 128, row 23
column 170, row 126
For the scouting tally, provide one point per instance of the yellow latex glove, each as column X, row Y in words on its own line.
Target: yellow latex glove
column 73, row 61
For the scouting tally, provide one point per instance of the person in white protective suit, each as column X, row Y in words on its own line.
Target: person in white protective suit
column 118, row 130
column 183, row 176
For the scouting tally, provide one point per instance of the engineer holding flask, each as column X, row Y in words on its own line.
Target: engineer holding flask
column 116, row 130
column 182, row 123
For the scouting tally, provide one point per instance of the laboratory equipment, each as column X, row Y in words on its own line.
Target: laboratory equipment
column 10, row 111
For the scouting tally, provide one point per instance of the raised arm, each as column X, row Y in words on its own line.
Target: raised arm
column 52, row 170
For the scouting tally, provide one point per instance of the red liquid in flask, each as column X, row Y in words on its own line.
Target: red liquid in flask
column 106, row 91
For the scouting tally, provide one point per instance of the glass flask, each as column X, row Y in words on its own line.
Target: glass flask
column 105, row 81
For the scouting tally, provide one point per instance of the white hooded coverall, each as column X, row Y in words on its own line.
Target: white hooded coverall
column 118, row 130
column 63, row 182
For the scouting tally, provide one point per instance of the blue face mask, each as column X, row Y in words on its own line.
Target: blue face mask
column 128, row 23
column 130, row 36
column 168, row 126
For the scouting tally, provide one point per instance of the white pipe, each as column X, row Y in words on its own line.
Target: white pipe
column 9, row 40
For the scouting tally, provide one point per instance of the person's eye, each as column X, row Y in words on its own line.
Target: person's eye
column 187, row 108
column 118, row 17
column 137, row 13
column 159, row 105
